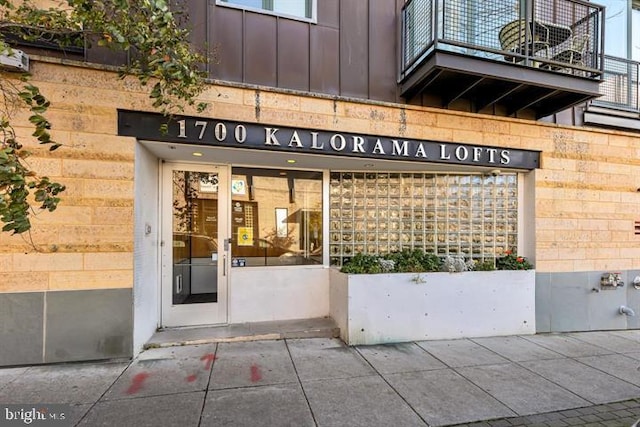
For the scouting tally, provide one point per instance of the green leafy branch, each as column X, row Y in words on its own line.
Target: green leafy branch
column 153, row 34
column 17, row 180
column 160, row 56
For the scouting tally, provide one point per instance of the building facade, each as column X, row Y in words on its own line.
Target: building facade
column 334, row 127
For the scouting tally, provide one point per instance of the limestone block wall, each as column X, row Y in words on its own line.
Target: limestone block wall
column 87, row 243
column 586, row 191
column 66, row 287
column 584, row 205
column 580, row 207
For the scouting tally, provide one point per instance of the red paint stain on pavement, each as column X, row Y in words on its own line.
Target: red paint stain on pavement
column 255, row 373
column 208, row 360
column 191, row 378
column 136, row 382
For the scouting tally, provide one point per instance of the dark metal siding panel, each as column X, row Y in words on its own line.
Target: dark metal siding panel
column 578, row 115
column 226, row 39
column 260, row 49
column 196, row 21
column 354, row 47
column 329, row 13
column 293, row 54
column 103, row 55
column 564, row 117
column 323, row 59
column 334, row 56
column 383, row 24
column 570, row 117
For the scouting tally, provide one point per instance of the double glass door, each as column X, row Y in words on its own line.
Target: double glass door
column 195, row 244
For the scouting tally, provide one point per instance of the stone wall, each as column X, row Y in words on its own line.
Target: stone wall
column 586, row 198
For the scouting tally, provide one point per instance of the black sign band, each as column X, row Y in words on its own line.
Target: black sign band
column 231, row 134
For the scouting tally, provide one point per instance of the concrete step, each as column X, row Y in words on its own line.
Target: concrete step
column 323, row 327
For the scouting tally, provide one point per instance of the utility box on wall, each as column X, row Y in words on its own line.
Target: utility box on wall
column 586, row 301
column 14, row 60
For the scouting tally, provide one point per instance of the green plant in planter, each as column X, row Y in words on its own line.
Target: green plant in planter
column 510, row 261
column 414, row 261
column 486, row 265
column 431, row 262
column 362, row 264
column 406, row 261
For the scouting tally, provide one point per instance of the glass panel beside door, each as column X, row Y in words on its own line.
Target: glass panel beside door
column 195, row 262
column 276, row 217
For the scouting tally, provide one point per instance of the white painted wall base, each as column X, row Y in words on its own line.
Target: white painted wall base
column 146, row 277
column 278, row 293
column 386, row 308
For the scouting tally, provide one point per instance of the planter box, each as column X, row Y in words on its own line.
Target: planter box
column 401, row 307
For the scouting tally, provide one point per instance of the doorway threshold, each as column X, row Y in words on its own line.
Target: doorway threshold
column 323, row 327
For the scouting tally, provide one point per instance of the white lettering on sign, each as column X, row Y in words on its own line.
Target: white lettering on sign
column 314, row 142
column 443, row 153
column 295, row 140
column 200, row 130
column 476, row 154
column 504, row 157
column 462, row 153
column 420, row 151
column 240, row 134
column 358, row 144
column 342, row 144
column 270, row 136
column 203, row 127
column 400, row 149
column 220, row 132
column 492, row 154
column 378, row 149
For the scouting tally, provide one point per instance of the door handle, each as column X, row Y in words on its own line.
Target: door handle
column 224, row 265
column 179, row 284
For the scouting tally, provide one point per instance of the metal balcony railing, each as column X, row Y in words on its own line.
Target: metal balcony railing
column 564, row 36
column 620, row 87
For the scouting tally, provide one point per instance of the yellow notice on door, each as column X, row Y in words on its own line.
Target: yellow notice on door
column 245, row 236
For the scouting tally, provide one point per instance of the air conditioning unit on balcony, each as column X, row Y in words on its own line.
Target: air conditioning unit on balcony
column 14, row 60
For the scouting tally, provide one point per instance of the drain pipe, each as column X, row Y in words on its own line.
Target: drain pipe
column 626, row 310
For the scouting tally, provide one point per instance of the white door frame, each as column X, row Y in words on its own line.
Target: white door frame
column 175, row 315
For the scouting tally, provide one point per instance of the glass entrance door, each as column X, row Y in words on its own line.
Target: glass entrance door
column 195, row 248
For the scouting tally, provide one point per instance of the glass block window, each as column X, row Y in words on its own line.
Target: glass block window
column 474, row 216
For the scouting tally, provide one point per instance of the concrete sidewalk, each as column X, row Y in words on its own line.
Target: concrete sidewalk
column 552, row 380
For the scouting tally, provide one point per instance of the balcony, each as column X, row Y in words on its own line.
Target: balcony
column 619, row 105
column 523, row 58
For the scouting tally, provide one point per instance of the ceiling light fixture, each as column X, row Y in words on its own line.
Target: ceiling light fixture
column 196, row 154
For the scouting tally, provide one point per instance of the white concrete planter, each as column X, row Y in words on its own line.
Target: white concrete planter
column 400, row 307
